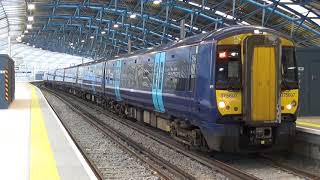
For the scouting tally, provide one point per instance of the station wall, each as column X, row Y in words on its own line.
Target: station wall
column 308, row 60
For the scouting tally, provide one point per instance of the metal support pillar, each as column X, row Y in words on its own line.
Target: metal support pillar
column 263, row 15
column 9, row 45
column 233, row 8
column 129, row 45
column 141, row 7
column 292, row 29
column 182, row 29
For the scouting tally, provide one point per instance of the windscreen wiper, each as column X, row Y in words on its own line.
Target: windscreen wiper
column 284, row 83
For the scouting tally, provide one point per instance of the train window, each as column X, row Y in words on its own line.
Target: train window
column 177, row 73
column 144, row 72
column 128, row 77
column 289, row 68
column 228, row 67
column 192, row 72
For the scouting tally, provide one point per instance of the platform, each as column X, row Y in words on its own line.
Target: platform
column 312, row 122
column 34, row 144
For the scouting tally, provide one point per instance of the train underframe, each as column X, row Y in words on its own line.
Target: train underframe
column 236, row 137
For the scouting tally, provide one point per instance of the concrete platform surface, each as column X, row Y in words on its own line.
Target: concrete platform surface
column 34, row 144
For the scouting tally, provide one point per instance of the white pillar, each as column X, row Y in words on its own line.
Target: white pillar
column 9, row 45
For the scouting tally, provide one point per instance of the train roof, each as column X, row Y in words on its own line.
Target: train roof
column 208, row 36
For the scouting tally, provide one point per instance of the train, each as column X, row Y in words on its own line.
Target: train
column 234, row 89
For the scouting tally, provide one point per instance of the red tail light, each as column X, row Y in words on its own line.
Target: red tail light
column 222, row 55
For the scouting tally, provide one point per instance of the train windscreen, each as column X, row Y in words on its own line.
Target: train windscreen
column 228, row 67
column 289, row 68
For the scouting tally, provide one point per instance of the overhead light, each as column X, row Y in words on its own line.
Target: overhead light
column 26, row 31
column 28, row 44
column 116, row 56
column 19, row 39
column 29, row 26
column 133, row 16
column 91, row 37
column 22, row 35
column 103, row 32
column 34, row 46
column 71, row 44
column 256, row 31
column 156, row 1
column 30, row 18
column 82, row 41
column 31, row 6
column 115, row 25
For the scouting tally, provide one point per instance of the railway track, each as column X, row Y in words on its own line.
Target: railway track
column 216, row 165
column 162, row 167
column 203, row 158
column 93, row 167
column 273, row 162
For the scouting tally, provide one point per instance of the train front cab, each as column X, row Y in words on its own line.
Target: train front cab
column 256, row 91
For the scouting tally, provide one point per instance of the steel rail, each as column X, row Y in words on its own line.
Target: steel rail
column 93, row 167
column 298, row 172
column 157, row 163
column 214, row 164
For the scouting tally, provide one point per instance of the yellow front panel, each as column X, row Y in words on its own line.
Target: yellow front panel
column 263, row 84
column 289, row 101
column 232, row 100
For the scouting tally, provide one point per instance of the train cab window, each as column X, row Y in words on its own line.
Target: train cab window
column 228, row 67
column 289, row 68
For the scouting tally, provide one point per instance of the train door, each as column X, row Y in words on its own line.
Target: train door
column 157, row 81
column 192, row 76
column 262, row 78
column 263, row 84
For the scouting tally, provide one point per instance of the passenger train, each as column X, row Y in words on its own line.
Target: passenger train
column 234, row 89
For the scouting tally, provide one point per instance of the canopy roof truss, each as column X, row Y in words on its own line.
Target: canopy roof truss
column 104, row 28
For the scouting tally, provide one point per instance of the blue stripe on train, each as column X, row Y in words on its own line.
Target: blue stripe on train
column 157, row 82
column 117, row 78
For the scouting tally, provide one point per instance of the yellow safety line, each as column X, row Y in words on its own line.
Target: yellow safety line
column 308, row 124
column 42, row 162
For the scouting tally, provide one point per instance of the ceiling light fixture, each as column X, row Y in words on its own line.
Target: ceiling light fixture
column 157, row 1
column 26, row 31
column 103, row 32
column 115, row 25
column 91, row 37
column 30, row 18
column 82, row 41
column 31, row 6
column 29, row 26
column 132, row 16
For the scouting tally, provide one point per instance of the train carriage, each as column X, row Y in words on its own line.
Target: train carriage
column 234, row 89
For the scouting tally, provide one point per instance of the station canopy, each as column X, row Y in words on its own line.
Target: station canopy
column 105, row 28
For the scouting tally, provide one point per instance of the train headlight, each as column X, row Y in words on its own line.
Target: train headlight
column 289, row 106
column 221, row 104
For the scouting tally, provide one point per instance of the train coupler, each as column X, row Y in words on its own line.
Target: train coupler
column 260, row 136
